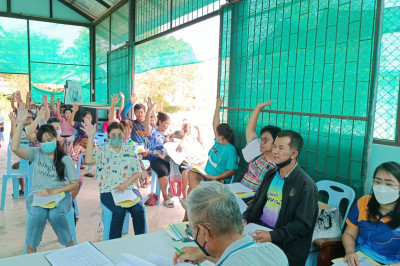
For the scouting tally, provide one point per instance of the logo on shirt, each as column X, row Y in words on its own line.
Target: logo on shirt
column 292, row 192
column 215, row 150
column 397, row 231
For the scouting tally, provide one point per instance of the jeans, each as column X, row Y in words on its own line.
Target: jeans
column 118, row 215
column 57, row 217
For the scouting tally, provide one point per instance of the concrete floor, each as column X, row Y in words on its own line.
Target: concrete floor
column 12, row 218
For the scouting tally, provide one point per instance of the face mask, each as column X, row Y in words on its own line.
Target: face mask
column 48, row 147
column 26, row 128
column 283, row 164
column 33, row 111
column 385, row 195
column 116, row 141
column 202, row 248
column 58, row 132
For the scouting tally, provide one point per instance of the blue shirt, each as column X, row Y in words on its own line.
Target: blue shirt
column 221, row 158
column 376, row 239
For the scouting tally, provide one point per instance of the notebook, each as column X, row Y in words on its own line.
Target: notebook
column 179, row 229
column 125, row 199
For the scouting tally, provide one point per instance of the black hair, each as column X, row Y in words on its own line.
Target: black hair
column 86, row 113
column 114, row 125
column 226, row 131
column 126, row 123
column 273, row 130
column 67, row 109
column 373, row 205
column 59, row 151
column 296, row 141
column 139, row 106
column 161, row 117
column 53, row 120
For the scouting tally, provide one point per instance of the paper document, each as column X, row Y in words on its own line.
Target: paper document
column 125, row 199
column 239, row 188
column 363, row 259
column 252, row 150
column 170, row 149
column 241, row 203
column 48, row 202
column 84, row 254
column 251, row 227
column 151, row 260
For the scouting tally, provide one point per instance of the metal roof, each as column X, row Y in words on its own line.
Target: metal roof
column 91, row 9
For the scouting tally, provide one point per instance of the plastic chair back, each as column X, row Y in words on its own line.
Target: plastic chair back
column 232, row 179
column 337, row 192
column 100, row 138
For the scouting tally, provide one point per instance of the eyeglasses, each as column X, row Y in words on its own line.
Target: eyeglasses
column 189, row 234
column 264, row 140
column 390, row 184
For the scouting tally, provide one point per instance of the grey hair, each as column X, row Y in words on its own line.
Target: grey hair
column 213, row 203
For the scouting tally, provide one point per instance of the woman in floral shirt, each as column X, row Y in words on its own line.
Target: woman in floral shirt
column 118, row 168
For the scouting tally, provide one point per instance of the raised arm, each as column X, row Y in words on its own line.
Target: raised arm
column 13, row 120
column 30, row 133
column 21, row 152
column 46, row 105
column 252, row 123
column 59, row 108
column 75, row 109
column 125, row 111
column 147, row 126
column 199, row 137
column 28, row 99
column 121, row 107
column 114, row 101
column 216, row 115
column 13, row 98
column 51, row 106
column 90, row 130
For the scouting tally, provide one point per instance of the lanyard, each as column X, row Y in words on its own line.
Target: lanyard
column 237, row 249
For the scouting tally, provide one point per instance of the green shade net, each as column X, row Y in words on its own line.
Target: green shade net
column 102, row 39
column 13, row 45
column 314, row 60
column 119, row 79
column 120, row 27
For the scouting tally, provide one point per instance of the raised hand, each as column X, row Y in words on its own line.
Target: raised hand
column 58, row 102
column 42, row 112
column 52, row 97
column 114, row 99
column 45, row 99
column 89, row 129
column 13, row 118
column 150, row 103
column 22, row 113
column 264, row 104
column 219, row 102
column 122, row 95
column 133, row 98
column 75, row 107
column 18, row 96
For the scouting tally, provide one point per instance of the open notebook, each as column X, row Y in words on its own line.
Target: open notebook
column 125, row 199
column 48, row 202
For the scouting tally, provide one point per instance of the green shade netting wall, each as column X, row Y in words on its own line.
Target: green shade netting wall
column 102, row 43
column 314, row 60
column 389, row 74
column 13, row 45
column 120, row 27
column 119, row 79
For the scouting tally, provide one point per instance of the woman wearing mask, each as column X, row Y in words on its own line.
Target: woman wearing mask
column 118, row 168
column 373, row 224
column 50, row 168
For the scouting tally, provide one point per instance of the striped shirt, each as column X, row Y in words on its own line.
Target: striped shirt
column 255, row 172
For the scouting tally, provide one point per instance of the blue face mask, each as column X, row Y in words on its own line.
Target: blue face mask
column 48, row 147
column 116, row 142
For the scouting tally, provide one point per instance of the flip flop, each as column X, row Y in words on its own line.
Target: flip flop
column 169, row 203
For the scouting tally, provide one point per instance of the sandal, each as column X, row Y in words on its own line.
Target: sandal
column 169, row 203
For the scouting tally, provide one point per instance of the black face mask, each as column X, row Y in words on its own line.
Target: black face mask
column 283, row 164
column 201, row 247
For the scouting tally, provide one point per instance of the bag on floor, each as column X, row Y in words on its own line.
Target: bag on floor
column 152, row 199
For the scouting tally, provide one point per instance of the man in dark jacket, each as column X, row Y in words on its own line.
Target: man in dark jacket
column 286, row 202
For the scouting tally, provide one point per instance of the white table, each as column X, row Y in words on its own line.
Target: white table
column 141, row 246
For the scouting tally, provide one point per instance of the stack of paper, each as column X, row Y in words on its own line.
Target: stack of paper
column 252, row 150
column 125, row 199
column 151, row 260
column 252, row 227
column 362, row 258
column 170, row 149
column 48, row 202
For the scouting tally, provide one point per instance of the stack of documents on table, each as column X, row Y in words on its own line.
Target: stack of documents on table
column 252, row 227
column 177, row 231
column 362, row 258
column 82, row 254
column 48, row 202
column 151, row 260
column 241, row 190
column 252, row 150
column 125, row 199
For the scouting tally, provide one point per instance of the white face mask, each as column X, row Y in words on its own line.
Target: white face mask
column 33, row 111
column 26, row 128
column 58, row 132
column 385, row 195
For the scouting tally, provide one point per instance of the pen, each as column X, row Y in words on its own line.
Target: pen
column 181, row 252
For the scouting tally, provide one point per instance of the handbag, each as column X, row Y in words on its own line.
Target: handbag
column 327, row 225
column 152, row 200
